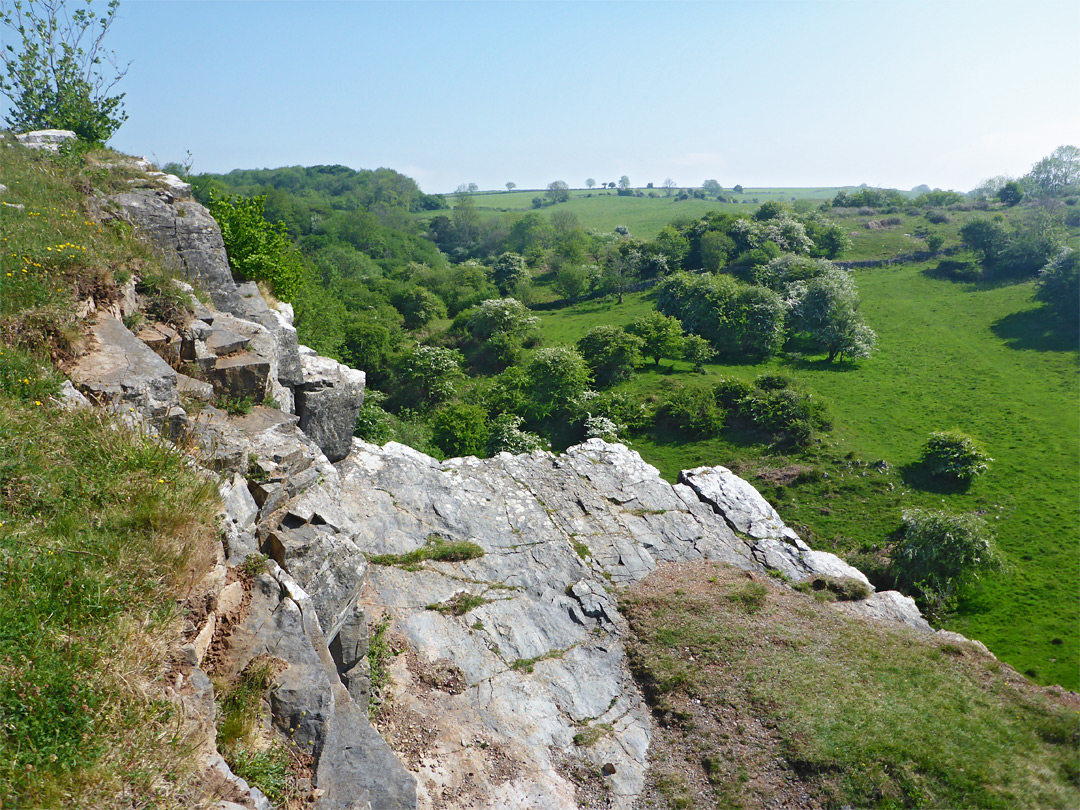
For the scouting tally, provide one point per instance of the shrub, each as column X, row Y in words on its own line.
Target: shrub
column 258, row 250
column 507, row 437
column 621, row 408
column 789, row 414
column 729, row 392
column 557, row 378
column 959, row 269
column 1058, row 286
column 941, row 552
column 693, row 411
column 955, row 455
column 611, row 353
column 460, row 430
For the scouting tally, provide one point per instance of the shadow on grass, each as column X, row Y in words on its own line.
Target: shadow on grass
column 1037, row 330
column 819, row 364
column 917, row 475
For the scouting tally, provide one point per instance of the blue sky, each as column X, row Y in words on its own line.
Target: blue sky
column 946, row 92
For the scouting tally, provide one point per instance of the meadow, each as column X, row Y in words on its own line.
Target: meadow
column 979, row 357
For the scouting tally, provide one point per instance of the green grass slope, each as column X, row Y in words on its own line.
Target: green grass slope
column 768, row 698
column 976, row 357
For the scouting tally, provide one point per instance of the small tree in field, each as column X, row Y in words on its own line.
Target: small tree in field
column 57, row 79
column 941, row 552
column 611, row 353
column 661, row 334
column 955, row 455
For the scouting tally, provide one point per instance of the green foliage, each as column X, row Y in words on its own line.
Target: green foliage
column 834, row 589
column 692, row 411
column 460, row 430
column 26, row 378
column 558, row 377
column 506, row 316
column 429, row 374
column 737, row 319
column 611, row 353
column 1056, row 173
column 507, row 437
column 56, row 79
column 572, row 281
column 601, row 427
column 459, row 604
column 1011, row 193
column 419, row 306
column 509, row 270
column 940, row 552
column 954, row 455
column 697, row 350
column 1058, row 286
column 751, row 597
column 373, row 424
column 258, row 250
column 436, row 549
column 661, row 335
column 827, row 310
column 1018, row 252
column 785, row 411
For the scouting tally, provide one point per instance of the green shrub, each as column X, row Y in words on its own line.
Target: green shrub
column 258, row 250
column 729, row 392
column 693, row 412
column 955, row 455
column 373, row 424
column 790, row 414
column 507, row 437
column 941, row 552
column 842, row 589
column 611, row 352
column 460, row 430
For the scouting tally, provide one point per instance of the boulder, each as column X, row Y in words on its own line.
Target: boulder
column 47, row 139
column 328, row 402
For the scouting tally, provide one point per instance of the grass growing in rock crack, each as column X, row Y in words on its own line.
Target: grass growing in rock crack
column 459, row 604
column 268, row 767
column 795, row 701
column 437, row 549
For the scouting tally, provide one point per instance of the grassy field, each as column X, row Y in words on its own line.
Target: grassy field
column 976, row 357
column 644, row 216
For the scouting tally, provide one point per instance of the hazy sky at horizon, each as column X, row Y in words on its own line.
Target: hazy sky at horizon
column 943, row 92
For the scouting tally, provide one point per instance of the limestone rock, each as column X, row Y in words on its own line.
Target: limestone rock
column 890, row 606
column 47, row 139
column 122, row 371
column 328, row 403
column 739, row 503
column 188, row 238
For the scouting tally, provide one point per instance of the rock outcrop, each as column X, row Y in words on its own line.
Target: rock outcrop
column 489, row 587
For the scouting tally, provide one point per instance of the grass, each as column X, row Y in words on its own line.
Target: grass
column 795, row 700
column 267, row 766
column 101, row 532
column 978, row 357
column 436, row 549
column 459, row 604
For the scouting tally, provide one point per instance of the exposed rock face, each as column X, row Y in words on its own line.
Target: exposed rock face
column 187, row 236
column 328, row 402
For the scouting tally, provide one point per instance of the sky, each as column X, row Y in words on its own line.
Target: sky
column 757, row 92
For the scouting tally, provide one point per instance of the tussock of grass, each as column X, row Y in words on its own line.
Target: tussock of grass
column 437, row 549
column 101, row 531
column 797, row 700
column 459, row 604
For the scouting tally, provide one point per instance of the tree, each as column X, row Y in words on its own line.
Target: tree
column 419, row 306
column 712, row 187
column 624, row 183
column 571, row 280
column 1011, row 193
column 737, row 189
column 590, row 182
column 611, row 352
column 661, row 335
column 1057, row 171
column 669, row 187
column 473, row 188
column 509, row 270
column 258, row 250
column 466, row 218
column 429, row 374
column 558, row 377
column 558, row 191
column 1058, row 286
column 828, row 312
column 58, row 79
column 510, row 186
column 502, row 316
column 460, row 430
column 699, row 351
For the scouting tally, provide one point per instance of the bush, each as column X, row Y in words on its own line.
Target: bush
column 611, row 353
column 507, row 437
column 1058, row 286
column 955, row 455
column 790, row 414
column 258, row 250
column 460, row 430
column 959, row 269
column 693, row 412
column 729, row 392
column 941, row 552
